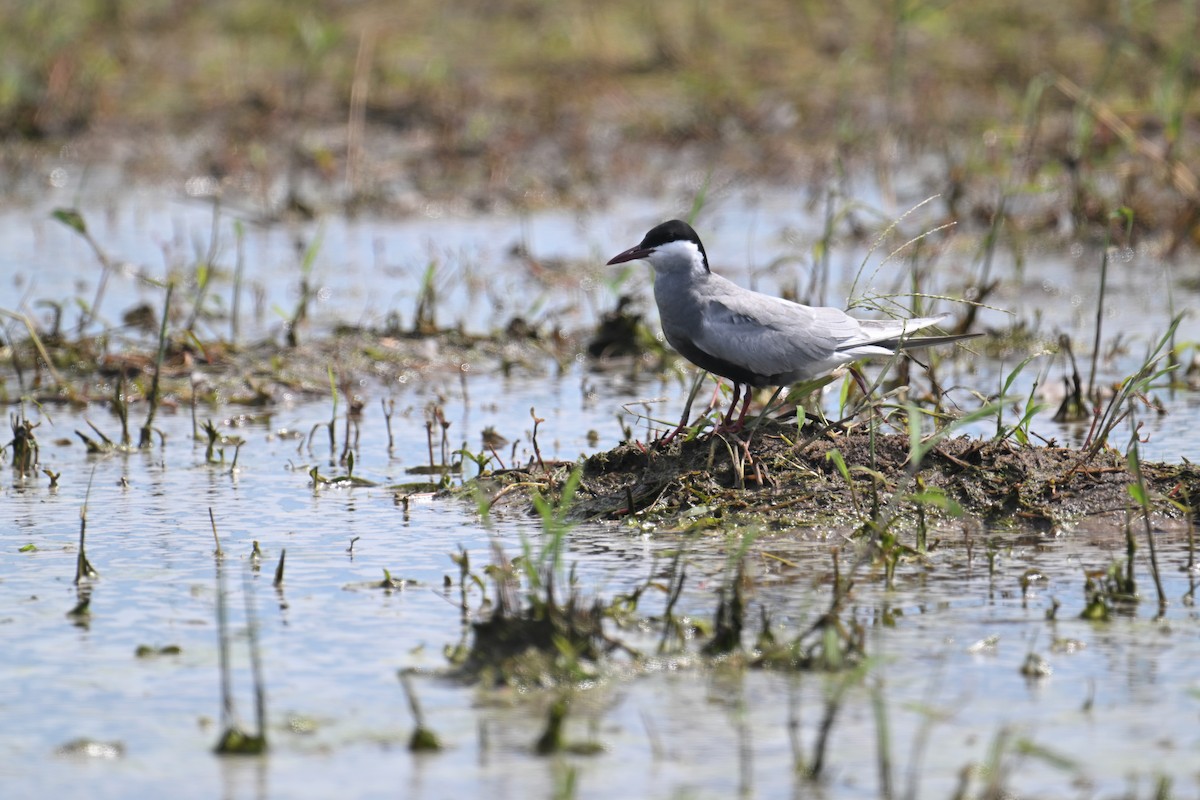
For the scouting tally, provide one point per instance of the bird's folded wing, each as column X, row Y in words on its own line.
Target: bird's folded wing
column 772, row 336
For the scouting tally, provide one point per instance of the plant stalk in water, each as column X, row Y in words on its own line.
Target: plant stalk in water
column 1141, row 495
column 83, row 568
column 153, row 399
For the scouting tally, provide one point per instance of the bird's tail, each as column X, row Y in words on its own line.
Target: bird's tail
column 915, row 342
column 900, row 334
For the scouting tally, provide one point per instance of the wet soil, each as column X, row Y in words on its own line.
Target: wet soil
column 265, row 372
column 779, row 479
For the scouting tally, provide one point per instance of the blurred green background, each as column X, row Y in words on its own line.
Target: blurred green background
column 1092, row 95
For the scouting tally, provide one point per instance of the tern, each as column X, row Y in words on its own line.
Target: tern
column 755, row 339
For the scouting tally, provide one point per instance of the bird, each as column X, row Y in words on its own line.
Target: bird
column 756, row 339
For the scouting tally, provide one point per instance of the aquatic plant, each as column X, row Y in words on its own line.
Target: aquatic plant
column 1107, row 590
column 24, row 444
column 547, row 632
column 1019, row 430
column 1133, row 388
column 153, row 397
column 84, row 571
column 331, row 425
column 306, row 292
column 425, row 315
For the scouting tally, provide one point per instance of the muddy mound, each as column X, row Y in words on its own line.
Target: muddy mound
column 782, row 479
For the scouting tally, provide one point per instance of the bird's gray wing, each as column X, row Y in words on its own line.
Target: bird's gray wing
column 771, row 336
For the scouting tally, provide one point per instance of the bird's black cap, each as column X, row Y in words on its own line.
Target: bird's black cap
column 675, row 230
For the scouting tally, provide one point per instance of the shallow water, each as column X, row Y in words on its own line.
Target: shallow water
column 332, row 645
column 1115, row 714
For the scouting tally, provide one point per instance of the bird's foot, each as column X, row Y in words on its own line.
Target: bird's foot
column 728, row 427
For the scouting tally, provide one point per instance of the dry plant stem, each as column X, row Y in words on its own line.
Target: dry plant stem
column 496, row 456
column 687, row 408
column 1074, row 385
column 537, row 451
column 152, row 400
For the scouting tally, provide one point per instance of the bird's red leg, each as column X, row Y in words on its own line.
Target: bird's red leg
column 860, row 379
column 741, row 423
column 728, row 425
column 737, row 390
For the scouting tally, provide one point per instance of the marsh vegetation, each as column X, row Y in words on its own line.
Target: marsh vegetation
column 322, row 405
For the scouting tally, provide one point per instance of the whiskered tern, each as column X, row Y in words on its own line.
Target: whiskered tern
column 754, row 339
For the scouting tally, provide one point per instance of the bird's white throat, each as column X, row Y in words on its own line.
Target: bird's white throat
column 678, row 257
